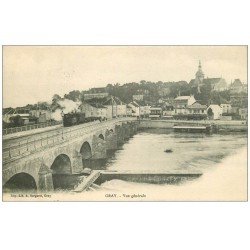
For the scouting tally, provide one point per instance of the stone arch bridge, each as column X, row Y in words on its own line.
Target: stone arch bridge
column 67, row 151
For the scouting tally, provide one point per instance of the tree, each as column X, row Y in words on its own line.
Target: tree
column 55, row 102
column 74, row 95
column 56, row 98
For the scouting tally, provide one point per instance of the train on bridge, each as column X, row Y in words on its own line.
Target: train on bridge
column 75, row 118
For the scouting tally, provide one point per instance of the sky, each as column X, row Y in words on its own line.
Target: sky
column 36, row 73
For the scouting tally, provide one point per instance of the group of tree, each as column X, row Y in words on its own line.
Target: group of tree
column 151, row 91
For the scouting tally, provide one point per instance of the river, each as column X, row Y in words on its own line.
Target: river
column 190, row 151
column 194, row 151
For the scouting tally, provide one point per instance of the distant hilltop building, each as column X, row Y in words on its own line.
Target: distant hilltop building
column 96, row 93
column 138, row 97
column 217, row 84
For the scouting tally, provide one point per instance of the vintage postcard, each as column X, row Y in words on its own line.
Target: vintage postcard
column 124, row 123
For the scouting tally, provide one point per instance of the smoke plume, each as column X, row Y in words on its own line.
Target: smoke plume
column 67, row 106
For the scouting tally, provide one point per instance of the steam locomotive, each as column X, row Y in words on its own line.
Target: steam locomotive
column 76, row 118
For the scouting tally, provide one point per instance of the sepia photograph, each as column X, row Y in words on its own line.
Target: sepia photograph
column 125, row 123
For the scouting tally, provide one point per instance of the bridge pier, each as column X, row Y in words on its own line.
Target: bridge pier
column 126, row 131
column 132, row 127
column 45, row 181
column 98, row 148
column 77, row 163
column 120, row 134
column 111, row 141
column 99, row 154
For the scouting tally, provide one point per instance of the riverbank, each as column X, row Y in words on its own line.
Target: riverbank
column 231, row 126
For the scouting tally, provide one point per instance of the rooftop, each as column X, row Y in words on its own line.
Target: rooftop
column 197, row 105
column 236, row 83
column 182, row 97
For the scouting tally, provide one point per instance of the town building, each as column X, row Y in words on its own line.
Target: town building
column 18, row 117
column 214, row 112
column 243, row 113
column 197, row 109
column 20, row 120
column 238, row 87
column 168, row 111
column 98, row 93
column 121, row 107
column 135, row 108
column 139, row 108
column 115, row 107
column 226, row 108
column 42, row 115
column 217, row 84
column 239, row 100
column 181, row 103
column 138, row 97
column 155, row 112
column 111, row 106
column 144, row 109
column 7, row 114
column 128, row 110
column 93, row 110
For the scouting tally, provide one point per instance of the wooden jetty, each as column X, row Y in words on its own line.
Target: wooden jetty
column 87, row 183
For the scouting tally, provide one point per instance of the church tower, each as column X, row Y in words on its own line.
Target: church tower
column 199, row 77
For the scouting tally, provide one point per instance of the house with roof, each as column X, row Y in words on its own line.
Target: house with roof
column 18, row 117
column 115, row 107
column 121, row 107
column 43, row 115
column 93, row 110
column 214, row 112
column 8, row 113
column 217, row 84
column 168, row 111
column 226, row 107
column 139, row 108
column 144, row 108
column 155, row 112
column 243, row 113
column 197, row 109
column 128, row 110
column 181, row 103
column 237, row 87
column 135, row 108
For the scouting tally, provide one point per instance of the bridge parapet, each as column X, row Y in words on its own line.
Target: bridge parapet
column 66, row 152
column 35, row 144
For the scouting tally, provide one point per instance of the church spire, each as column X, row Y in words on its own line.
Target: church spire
column 199, row 73
column 199, row 77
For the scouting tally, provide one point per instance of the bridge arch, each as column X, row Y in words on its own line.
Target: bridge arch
column 20, row 182
column 86, row 153
column 101, row 136
column 61, row 164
